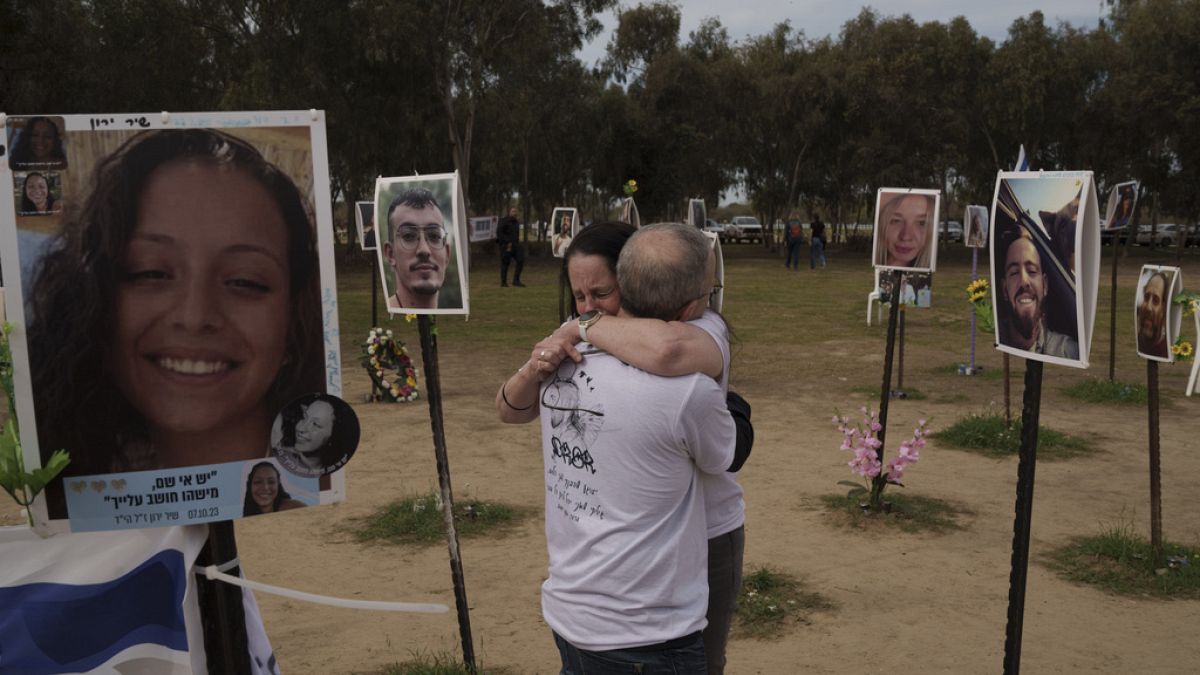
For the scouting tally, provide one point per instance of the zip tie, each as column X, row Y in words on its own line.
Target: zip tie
column 211, row 572
column 228, row 565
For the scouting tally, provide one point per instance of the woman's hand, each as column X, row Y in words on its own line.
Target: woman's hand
column 551, row 350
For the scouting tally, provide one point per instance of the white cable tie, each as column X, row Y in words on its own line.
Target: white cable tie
column 228, row 565
column 212, row 573
column 313, row 113
column 166, row 118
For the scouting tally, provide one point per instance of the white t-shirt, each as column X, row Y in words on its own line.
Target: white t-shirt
column 724, row 505
column 625, row 523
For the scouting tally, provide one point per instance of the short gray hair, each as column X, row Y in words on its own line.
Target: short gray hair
column 661, row 269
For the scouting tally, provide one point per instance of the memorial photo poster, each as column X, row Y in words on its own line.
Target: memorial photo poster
column 1156, row 319
column 1045, row 263
column 157, row 349
column 422, row 263
column 364, row 218
column 483, row 228
column 906, row 222
column 976, row 223
column 629, row 213
column 916, row 289
column 564, row 225
column 697, row 214
column 1122, row 202
column 716, row 301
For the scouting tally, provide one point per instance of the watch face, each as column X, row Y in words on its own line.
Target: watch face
column 588, row 316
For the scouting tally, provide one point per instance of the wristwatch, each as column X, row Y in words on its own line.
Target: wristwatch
column 587, row 320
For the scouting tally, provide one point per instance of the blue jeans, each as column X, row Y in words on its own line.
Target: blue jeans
column 817, row 252
column 682, row 656
column 793, row 256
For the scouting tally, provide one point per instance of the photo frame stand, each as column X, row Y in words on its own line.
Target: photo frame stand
column 889, row 351
column 226, row 645
column 1152, row 405
column 1030, row 413
column 899, row 392
column 971, row 368
column 433, row 392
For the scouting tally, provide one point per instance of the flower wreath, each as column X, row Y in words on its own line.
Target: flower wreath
column 390, row 368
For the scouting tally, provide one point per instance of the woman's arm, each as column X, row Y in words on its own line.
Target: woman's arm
column 665, row 348
column 517, row 400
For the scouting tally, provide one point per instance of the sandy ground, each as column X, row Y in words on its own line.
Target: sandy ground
column 903, row 603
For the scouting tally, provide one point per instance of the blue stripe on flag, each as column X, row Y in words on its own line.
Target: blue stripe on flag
column 59, row 627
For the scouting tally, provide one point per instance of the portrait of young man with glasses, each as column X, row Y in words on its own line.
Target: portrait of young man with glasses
column 417, row 249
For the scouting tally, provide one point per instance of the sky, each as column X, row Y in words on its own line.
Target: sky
column 819, row 18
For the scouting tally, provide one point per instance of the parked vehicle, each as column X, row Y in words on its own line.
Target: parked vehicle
column 1167, row 235
column 744, row 228
column 716, row 228
column 951, row 231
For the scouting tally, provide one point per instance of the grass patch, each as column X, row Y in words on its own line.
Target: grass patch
column 443, row 663
column 1107, row 391
column 418, row 520
column 990, row 436
column 1120, row 562
column 771, row 600
column 910, row 513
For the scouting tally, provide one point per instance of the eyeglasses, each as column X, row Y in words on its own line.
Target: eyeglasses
column 712, row 295
column 410, row 237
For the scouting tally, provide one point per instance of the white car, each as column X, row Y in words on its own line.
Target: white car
column 744, row 228
column 1167, row 235
column 716, row 228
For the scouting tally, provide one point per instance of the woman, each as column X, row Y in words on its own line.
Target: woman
column 36, row 199
column 906, row 222
column 39, row 146
column 265, row 493
column 189, row 281
column 975, row 231
column 315, row 435
column 662, row 348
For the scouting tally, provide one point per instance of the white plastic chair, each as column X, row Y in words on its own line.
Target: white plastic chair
column 873, row 296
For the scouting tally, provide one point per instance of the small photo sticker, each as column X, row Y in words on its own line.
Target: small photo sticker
column 36, row 143
column 314, row 435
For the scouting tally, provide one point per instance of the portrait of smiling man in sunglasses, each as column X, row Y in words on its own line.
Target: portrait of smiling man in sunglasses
column 417, row 249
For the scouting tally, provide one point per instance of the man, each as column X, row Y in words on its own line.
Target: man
column 1024, row 294
column 417, row 249
column 623, row 452
column 508, row 236
column 1152, row 317
column 793, row 240
column 561, row 238
column 816, row 250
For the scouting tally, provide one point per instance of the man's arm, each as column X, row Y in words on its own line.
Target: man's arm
column 666, row 348
column 707, row 427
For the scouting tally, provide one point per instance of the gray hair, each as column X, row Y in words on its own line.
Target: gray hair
column 661, row 269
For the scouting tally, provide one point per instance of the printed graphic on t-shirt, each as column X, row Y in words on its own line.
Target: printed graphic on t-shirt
column 575, row 422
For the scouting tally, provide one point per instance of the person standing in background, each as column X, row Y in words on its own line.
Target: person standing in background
column 508, row 236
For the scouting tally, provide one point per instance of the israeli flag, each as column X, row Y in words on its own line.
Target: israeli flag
column 1022, row 161
column 107, row 601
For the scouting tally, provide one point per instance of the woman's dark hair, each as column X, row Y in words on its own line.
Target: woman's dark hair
column 251, row 507
column 78, row 406
column 342, row 441
column 603, row 239
column 22, row 152
column 27, row 205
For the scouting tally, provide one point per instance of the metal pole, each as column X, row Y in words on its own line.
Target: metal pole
column 1030, row 412
column 1156, row 538
column 433, row 392
column 900, row 349
column 889, row 349
column 974, row 276
column 1112, row 308
column 226, row 647
column 374, row 294
column 1007, row 394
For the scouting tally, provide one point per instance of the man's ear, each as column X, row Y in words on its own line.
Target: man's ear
column 685, row 313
